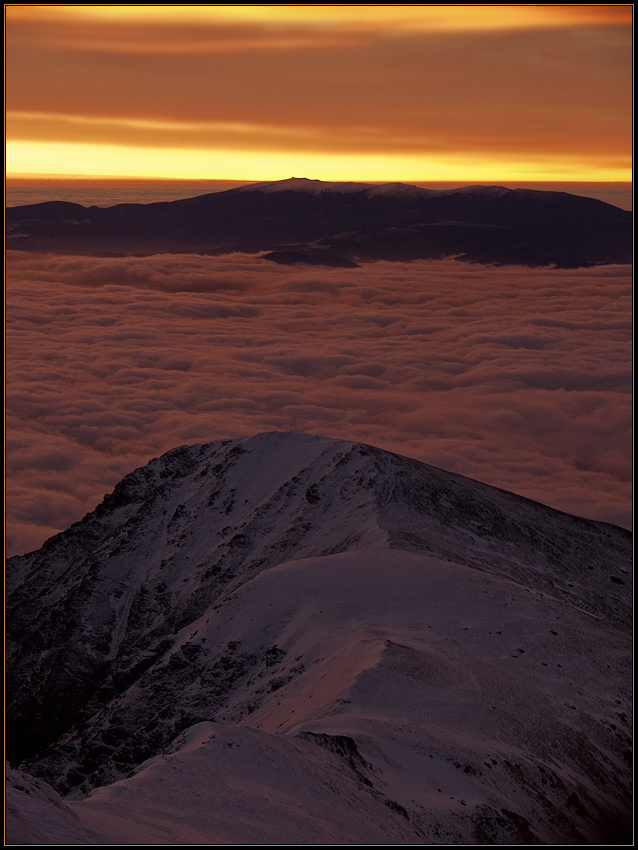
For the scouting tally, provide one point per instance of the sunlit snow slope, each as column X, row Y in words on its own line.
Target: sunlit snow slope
column 293, row 639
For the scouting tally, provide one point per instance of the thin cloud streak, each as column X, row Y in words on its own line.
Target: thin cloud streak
column 409, row 141
column 517, row 377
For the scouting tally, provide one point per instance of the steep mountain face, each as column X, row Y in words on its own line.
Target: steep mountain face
column 454, row 657
column 341, row 224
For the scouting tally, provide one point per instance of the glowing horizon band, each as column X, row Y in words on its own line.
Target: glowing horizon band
column 28, row 159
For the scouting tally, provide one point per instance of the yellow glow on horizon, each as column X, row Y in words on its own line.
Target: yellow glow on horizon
column 431, row 18
column 32, row 159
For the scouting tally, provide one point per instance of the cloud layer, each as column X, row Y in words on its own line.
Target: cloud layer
column 520, row 378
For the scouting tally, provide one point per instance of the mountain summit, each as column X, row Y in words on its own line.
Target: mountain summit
column 296, row 639
column 308, row 221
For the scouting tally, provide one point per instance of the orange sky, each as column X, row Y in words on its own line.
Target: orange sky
column 419, row 93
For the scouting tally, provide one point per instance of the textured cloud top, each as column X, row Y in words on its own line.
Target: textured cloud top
column 517, row 377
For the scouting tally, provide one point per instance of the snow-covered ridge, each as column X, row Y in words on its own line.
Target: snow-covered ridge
column 320, row 187
column 303, row 184
column 401, row 628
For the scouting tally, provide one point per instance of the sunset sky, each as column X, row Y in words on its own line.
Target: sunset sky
column 410, row 93
column 517, row 377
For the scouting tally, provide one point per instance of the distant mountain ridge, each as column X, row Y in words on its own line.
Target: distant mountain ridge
column 301, row 220
column 440, row 638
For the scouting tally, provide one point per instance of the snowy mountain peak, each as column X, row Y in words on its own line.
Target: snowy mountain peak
column 304, row 184
column 319, row 187
column 326, row 594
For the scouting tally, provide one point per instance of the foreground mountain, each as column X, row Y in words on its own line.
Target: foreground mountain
column 341, row 224
column 294, row 639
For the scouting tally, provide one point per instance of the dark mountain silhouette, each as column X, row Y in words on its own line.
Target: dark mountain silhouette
column 340, row 224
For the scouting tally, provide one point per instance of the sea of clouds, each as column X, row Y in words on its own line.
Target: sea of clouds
column 517, row 377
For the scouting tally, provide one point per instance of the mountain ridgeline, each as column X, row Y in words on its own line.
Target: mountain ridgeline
column 455, row 656
column 342, row 225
